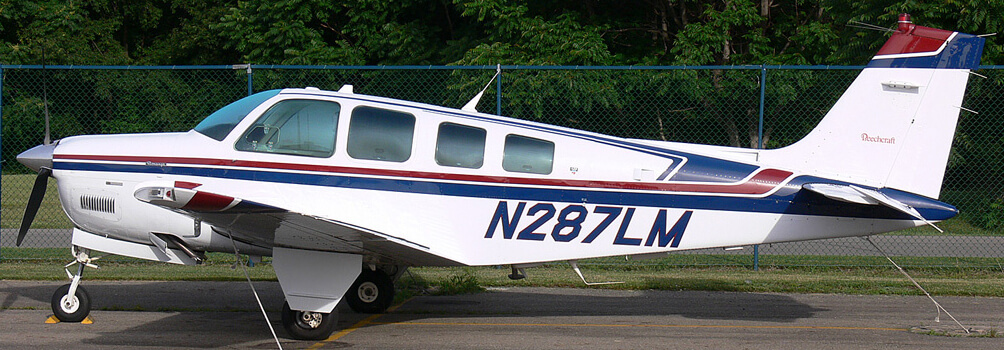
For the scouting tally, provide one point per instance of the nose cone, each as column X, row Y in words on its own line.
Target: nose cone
column 37, row 157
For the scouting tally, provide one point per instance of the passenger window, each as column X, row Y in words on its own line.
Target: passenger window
column 380, row 134
column 460, row 146
column 527, row 155
column 297, row 127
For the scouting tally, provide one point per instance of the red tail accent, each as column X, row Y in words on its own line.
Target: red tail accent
column 911, row 38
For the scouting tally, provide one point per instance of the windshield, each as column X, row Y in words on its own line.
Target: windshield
column 219, row 124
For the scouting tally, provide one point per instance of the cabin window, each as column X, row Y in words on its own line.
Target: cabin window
column 380, row 134
column 527, row 155
column 460, row 146
column 297, row 127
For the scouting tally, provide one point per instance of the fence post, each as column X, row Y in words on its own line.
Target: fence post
column 498, row 92
column 1, row 143
column 763, row 94
column 250, row 79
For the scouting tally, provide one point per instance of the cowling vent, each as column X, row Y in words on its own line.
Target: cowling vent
column 97, row 203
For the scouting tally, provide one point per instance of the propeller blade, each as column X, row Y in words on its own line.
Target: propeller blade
column 34, row 202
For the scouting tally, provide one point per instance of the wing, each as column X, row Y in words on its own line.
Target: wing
column 269, row 226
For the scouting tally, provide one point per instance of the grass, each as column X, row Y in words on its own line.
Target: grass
column 980, row 333
column 941, row 276
column 953, row 227
column 47, row 264
column 14, row 197
column 863, row 281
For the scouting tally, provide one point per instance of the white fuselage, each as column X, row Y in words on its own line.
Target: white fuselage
column 603, row 196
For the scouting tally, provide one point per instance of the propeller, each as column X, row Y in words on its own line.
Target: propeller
column 38, row 158
column 34, row 201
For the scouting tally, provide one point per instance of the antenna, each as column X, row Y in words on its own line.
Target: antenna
column 472, row 105
column 868, row 26
column 45, row 98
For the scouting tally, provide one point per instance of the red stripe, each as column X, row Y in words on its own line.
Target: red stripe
column 763, row 182
column 915, row 39
column 205, row 201
column 187, row 185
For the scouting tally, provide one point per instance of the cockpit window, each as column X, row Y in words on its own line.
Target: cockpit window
column 219, row 124
column 297, row 127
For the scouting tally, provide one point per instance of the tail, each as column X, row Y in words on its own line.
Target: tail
column 894, row 125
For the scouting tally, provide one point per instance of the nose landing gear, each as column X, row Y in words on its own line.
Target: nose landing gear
column 70, row 302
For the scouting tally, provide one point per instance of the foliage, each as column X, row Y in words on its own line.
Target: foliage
column 460, row 283
column 373, row 32
column 990, row 214
column 708, row 106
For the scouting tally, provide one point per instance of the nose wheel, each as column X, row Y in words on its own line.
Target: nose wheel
column 307, row 325
column 70, row 306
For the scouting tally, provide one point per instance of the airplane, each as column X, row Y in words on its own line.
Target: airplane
column 345, row 191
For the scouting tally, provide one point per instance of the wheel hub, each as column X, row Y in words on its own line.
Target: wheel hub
column 368, row 292
column 69, row 303
column 309, row 320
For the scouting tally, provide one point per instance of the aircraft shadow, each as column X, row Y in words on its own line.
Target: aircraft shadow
column 531, row 302
column 222, row 314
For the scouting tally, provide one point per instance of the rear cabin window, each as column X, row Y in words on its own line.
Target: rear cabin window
column 380, row 134
column 460, row 146
column 527, row 155
column 296, row 127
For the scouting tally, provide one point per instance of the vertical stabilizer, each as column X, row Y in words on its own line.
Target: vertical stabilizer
column 894, row 125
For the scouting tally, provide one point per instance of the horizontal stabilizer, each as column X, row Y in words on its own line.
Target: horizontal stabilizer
column 895, row 204
column 859, row 195
column 843, row 193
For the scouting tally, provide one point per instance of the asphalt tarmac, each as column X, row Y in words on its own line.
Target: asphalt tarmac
column 168, row 315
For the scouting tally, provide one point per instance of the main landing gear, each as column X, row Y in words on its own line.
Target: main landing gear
column 306, row 325
column 70, row 302
column 372, row 292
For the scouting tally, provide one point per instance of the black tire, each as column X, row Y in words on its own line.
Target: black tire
column 371, row 293
column 75, row 309
column 303, row 325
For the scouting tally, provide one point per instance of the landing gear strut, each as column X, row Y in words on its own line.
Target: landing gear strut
column 306, row 325
column 371, row 293
column 70, row 302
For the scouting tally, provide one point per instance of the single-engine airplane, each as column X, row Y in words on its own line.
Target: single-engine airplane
column 344, row 191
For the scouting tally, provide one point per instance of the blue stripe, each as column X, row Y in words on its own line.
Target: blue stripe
column 788, row 200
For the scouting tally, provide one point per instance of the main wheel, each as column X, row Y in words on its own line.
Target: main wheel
column 372, row 292
column 71, row 308
column 306, row 325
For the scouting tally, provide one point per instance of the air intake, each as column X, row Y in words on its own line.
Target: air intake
column 97, row 203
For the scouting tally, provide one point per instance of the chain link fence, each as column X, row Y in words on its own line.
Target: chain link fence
column 709, row 105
